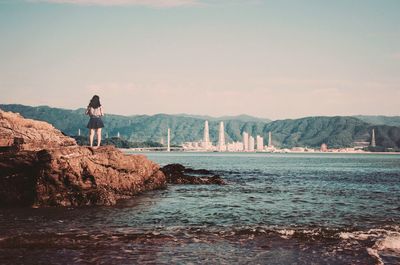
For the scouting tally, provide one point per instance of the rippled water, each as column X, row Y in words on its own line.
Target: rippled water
column 276, row 209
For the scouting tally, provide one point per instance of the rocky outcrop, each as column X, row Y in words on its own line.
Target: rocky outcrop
column 39, row 166
column 178, row 174
column 75, row 176
column 19, row 133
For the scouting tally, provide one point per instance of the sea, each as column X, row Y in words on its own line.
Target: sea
column 275, row 209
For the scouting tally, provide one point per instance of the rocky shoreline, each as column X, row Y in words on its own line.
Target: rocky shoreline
column 178, row 174
column 39, row 166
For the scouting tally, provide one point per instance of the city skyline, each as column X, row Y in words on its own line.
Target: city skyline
column 275, row 60
column 248, row 144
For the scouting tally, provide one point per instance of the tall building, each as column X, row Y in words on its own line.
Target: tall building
column 324, row 147
column 221, row 137
column 251, row 144
column 206, row 144
column 260, row 143
column 245, row 141
column 373, row 144
column 270, row 139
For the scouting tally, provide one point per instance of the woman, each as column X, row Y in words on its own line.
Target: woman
column 95, row 111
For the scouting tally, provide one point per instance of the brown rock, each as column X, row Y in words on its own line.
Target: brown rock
column 19, row 133
column 39, row 166
column 177, row 174
column 75, row 176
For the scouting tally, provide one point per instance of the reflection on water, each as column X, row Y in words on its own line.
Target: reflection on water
column 277, row 209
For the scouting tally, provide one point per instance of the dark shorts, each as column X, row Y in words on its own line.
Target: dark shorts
column 95, row 123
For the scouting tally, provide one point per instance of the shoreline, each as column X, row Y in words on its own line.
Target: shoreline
column 126, row 150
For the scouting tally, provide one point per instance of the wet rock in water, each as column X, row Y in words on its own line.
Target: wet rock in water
column 177, row 174
column 39, row 166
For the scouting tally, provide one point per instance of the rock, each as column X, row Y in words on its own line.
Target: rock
column 75, row 176
column 177, row 174
column 39, row 166
column 18, row 133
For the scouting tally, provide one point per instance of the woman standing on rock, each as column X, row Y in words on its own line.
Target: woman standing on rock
column 95, row 111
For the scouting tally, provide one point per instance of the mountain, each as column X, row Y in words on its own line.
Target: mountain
column 336, row 132
column 310, row 131
column 381, row 120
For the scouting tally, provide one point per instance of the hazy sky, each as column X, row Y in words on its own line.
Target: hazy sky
column 272, row 59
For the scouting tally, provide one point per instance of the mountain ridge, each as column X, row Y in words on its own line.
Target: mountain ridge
column 336, row 131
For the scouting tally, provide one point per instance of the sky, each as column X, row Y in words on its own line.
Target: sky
column 271, row 59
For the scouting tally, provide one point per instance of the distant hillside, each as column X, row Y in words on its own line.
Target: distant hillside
column 381, row 120
column 310, row 131
column 334, row 131
column 134, row 128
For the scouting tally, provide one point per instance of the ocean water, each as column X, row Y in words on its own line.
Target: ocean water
column 275, row 209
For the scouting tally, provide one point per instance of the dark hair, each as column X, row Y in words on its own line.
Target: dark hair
column 95, row 102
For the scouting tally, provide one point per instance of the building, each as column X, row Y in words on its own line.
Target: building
column 298, row 149
column 260, row 143
column 324, row 147
column 270, row 140
column 245, row 141
column 251, row 144
column 206, row 144
column 221, row 138
column 168, row 140
column 373, row 144
column 234, row 147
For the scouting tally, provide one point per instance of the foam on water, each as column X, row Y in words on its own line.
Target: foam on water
column 385, row 241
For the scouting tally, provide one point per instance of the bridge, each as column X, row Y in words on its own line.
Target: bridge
column 163, row 148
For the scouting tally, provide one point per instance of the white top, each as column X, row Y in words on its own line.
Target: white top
column 95, row 112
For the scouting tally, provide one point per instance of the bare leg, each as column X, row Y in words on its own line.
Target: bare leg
column 98, row 136
column 91, row 136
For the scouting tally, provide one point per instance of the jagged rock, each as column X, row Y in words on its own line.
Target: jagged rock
column 18, row 133
column 39, row 166
column 177, row 174
column 75, row 176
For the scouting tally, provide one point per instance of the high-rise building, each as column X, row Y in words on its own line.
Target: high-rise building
column 251, row 144
column 260, row 143
column 245, row 141
column 270, row 139
column 221, row 137
column 324, row 147
column 206, row 144
column 373, row 144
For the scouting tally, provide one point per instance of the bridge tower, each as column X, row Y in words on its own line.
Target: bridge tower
column 169, row 140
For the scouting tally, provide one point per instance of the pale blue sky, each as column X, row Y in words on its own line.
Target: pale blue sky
column 273, row 59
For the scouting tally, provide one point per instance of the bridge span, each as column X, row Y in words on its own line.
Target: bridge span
column 161, row 149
